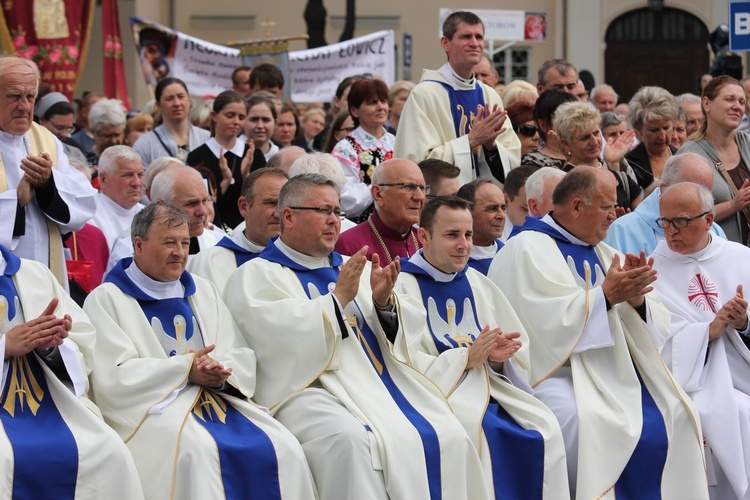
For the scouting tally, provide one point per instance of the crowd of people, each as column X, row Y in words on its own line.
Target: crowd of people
column 456, row 289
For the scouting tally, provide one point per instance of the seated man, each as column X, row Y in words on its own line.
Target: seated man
column 258, row 204
column 399, row 192
column 53, row 444
column 324, row 331
column 488, row 214
column 638, row 231
column 441, row 176
column 470, row 348
column 515, row 198
column 121, row 181
column 701, row 281
column 539, row 188
column 184, row 188
column 629, row 429
column 173, row 376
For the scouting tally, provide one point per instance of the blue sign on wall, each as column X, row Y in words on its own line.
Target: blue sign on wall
column 739, row 26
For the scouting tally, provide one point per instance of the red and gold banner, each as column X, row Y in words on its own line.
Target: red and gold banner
column 53, row 33
column 115, row 85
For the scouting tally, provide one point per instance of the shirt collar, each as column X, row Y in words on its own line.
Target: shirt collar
column 307, row 261
column 418, row 260
column 237, row 150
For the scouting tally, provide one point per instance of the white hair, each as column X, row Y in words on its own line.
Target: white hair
column 535, row 183
column 600, row 88
column 688, row 97
column 163, row 186
column 676, row 165
column 108, row 159
column 319, row 163
column 106, row 112
column 155, row 168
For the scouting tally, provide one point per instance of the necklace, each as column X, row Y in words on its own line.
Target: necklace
column 382, row 243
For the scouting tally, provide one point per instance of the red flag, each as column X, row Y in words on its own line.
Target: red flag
column 115, row 85
column 53, row 33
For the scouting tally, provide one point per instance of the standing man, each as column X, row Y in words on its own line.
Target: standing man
column 485, row 71
column 488, row 215
column 702, row 281
column 605, row 97
column 258, row 204
column 453, row 117
column 557, row 74
column 41, row 195
column 325, row 331
column 629, row 429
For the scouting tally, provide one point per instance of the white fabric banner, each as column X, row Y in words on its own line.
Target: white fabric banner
column 315, row 73
column 498, row 24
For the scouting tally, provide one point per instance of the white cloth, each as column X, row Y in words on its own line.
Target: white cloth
column 595, row 392
column 468, row 391
column 426, row 128
column 113, row 219
column 714, row 374
column 217, row 264
column 304, row 362
column 71, row 186
column 133, row 374
column 105, row 467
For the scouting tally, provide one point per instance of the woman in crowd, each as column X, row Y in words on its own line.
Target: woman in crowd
column 136, row 126
column 519, row 90
column 107, row 121
column 728, row 151
column 679, row 130
column 549, row 154
column 313, row 123
column 200, row 114
column 176, row 136
column 614, row 126
column 521, row 114
column 286, row 131
column 397, row 96
column 341, row 126
column 228, row 159
column 259, row 127
column 651, row 111
column 366, row 147
column 577, row 125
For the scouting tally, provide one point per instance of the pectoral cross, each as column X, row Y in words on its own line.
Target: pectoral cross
column 267, row 24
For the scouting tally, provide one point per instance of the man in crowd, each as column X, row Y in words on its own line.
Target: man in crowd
column 539, row 188
column 580, row 92
column 172, row 368
column 474, row 345
column 398, row 189
column 485, row 71
column 638, row 230
column 453, row 117
column 258, row 204
column 488, row 215
column 241, row 80
column 267, row 77
column 628, row 428
column 47, row 425
column 701, row 281
column 324, row 331
column 121, row 181
column 557, row 74
column 285, row 157
column 604, row 97
column 41, row 195
column 515, row 198
column 691, row 105
column 441, row 176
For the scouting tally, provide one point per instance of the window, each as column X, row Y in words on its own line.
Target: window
column 513, row 64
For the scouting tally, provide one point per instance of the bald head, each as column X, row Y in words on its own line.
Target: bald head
column 687, row 167
column 584, row 203
column 285, row 157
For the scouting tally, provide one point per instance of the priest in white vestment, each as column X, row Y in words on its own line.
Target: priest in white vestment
column 53, row 441
column 325, row 332
column 488, row 214
column 454, row 117
column 41, row 195
column 702, row 279
column 474, row 347
column 174, row 377
column 592, row 321
column 121, row 180
column 258, row 204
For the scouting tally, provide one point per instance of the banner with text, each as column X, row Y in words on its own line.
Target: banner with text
column 315, row 73
column 205, row 67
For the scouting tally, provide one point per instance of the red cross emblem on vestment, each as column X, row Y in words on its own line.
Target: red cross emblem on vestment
column 702, row 293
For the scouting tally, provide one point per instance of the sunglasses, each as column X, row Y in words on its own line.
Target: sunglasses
column 526, row 130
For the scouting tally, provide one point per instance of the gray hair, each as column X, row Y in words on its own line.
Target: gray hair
column 156, row 167
column 652, row 103
column 600, row 88
column 561, row 65
column 294, row 192
column 688, row 97
column 468, row 191
column 144, row 220
column 201, row 113
column 108, row 159
column 378, row 175
column 7, row 62
column 319, row 163
column 535, row 183
column 163, row 186
column 106, row 112
column 610, row 118
column 704, row 195
column 676, row 165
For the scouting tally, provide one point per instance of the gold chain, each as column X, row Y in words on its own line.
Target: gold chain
column 382, row 243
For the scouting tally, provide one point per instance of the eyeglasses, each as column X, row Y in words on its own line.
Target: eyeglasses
column 412, row 188
column 63, row 128
column 679, row 222
column 326, row 211
column 526, row 130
